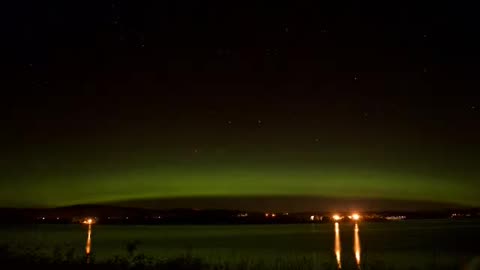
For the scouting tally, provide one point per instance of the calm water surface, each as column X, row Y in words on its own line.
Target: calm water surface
column 407, row 243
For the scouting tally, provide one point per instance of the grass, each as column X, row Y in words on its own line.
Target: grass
column 66, row 258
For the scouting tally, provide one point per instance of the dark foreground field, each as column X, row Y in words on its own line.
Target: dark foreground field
column 32, row 259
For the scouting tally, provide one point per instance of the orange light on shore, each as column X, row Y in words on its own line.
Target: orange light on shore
column 336, row 217
column 356, row 216
column 88, row 221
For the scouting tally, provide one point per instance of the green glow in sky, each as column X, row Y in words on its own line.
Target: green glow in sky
column 206, row 180
column 62, row 175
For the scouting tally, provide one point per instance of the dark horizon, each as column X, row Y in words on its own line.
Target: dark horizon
column 291, row 204
column 294, row 204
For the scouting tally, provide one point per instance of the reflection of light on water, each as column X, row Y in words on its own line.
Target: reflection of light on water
column 337, row 245
column 356, row 245
column 89, row 240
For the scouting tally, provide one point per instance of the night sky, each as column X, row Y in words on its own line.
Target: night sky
column 107, row 101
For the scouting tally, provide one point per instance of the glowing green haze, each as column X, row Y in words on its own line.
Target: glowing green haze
column 58, row 174
column 69, row 184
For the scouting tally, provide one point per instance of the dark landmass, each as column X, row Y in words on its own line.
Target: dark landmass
column 152, row 212
column 291, row 204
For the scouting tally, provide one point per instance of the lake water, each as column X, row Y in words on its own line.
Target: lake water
column 402, row 244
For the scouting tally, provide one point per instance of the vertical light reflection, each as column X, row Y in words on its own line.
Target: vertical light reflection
column 356, row 245
column 89, row 242
column 337, row 247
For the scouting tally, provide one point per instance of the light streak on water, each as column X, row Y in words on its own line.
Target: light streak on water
column 337, row 247
column 89, row 243
column 356, row 245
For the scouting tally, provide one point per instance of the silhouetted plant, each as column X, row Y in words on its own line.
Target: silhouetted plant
column 131, row 247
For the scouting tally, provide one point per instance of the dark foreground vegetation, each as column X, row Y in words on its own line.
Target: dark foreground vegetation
column 67, row 259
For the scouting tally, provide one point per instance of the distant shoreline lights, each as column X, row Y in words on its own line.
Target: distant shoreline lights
column 354, row 217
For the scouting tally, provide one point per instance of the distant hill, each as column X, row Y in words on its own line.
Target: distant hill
column 229, row 210
column 254, row 204
column 289, row 204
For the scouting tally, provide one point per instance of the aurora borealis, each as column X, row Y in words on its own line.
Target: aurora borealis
column 125, row 101
column 72, row 177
